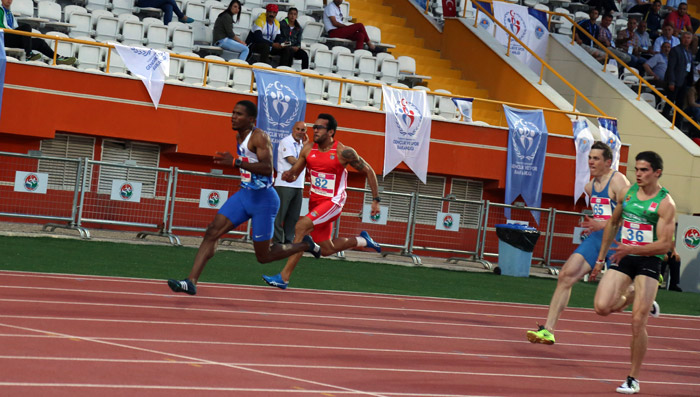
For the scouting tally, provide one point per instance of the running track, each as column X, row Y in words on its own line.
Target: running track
column 67, row 335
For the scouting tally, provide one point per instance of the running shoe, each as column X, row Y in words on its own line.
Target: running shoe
column 370, row 243
column 314, row 248
column 542, row 335
column 65, row 60
column 655, row 310
column 185, row 286
column 275, row 281
column 629, row 386
column 34, row 56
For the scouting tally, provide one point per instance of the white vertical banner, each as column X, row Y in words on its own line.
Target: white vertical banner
column 448, row 221
column 537, row 38
column 126, row 191
column 583, row 140
column 213, row 199
column 610, row 136
column 465, row 107
column 151, row 66
column 407, row 126
column 515, row 18
column 31, row 182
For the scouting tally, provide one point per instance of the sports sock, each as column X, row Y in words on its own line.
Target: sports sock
column 361, row 242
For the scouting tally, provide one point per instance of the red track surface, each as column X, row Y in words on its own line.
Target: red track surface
column 68, row 335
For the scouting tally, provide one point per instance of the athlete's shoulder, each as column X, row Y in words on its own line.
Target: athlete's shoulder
column 619, row 183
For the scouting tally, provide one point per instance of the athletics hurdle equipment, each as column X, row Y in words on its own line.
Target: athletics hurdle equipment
column 128, row 196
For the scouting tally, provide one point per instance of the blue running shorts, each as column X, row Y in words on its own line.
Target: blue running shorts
column 590, row 247
column 260, row 206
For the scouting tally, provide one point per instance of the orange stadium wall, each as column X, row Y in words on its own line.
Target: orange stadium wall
column 191, row 124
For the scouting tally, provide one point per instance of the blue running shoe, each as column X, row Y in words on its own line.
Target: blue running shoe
column 185, row 286
column 275, row 281
column 370, row 243
column 314, row 248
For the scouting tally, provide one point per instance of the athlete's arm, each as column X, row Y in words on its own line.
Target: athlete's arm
column 262, row 147
column 292, row 174
column 611, row 228
column 664, row 234
column 350, row 156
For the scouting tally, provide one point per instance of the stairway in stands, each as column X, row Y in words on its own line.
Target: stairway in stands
column 428, row 62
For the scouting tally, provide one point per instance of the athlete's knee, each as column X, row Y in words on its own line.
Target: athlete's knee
column 639, row 322
column 602, row 308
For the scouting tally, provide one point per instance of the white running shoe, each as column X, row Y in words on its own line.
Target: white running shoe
column 655, row 310
column 629, row 386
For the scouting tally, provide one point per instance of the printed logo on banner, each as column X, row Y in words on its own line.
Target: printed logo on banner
column 31, row 182
column 378, row 219
column 485, row 23
column 447, row 221
column 516, row 23
column 126, row 191
column 410, row 117
column 283, row 105
column 212, row 199
column 691, row 238
column 527, row 140
column 539, row 32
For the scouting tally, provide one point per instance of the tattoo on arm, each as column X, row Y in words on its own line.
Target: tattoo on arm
column 353, row 159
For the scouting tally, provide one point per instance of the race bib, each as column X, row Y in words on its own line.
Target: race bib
column 602, row 208
column 637, row 233
column 246, row 176
column 323, row 184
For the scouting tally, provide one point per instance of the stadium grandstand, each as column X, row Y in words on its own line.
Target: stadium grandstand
column 97, row 109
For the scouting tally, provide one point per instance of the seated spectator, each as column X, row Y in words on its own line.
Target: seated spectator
column 627, row 46
column 333, row 22
column 291, row 33
column 605, row 35
column 672, row 5
column 168, row 7
column 656, row 66
column 644, row 40
column 679, row 20
column 584, row 41
column 28, row 43
column 653, row 19
column 265, row 38
column 224, row 36
column 666, row 37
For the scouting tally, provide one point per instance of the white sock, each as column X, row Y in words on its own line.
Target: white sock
column 361, row 242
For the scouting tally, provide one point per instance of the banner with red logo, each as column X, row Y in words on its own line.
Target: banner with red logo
column 212, row 199
column 126, row 191
column 407, row 127
column 31, row 182
column 688, row 247
column 379, row 219
column 448, row 221
column 449, row 8
column 528, row 25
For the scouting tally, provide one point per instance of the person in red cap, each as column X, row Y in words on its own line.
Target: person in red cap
column 333, row 22
column 265, row 38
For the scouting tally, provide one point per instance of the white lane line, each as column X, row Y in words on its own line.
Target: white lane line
column 301, row 291
column 200, row 360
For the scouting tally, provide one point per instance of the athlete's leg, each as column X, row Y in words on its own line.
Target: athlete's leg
column 304, row 226
column 646, row 288
column 611, row 293
column 217, row 228
column 573, row 270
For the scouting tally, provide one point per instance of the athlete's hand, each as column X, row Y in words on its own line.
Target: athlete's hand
column 591, row 224
column 224, row 158
column 375, row 208
column 596, row 270
column 620, row 251
column 288, row 176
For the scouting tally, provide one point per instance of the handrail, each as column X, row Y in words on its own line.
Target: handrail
column 511, row 36
column 310, row 75
column 642, row 80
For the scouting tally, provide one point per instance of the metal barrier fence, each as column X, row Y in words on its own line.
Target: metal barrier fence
column 190, row 190
column 80, row 193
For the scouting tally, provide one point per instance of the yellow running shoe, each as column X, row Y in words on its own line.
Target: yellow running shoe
column 542, row 335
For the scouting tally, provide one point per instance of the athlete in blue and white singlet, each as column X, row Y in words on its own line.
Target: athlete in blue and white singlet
column 256, row 200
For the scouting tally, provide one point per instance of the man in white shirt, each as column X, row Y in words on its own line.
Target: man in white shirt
column 290, row 193
column 333, row 22
column 666, row 37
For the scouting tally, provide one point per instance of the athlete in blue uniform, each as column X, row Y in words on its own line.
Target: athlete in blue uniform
column 256, row 200
column 605, row 190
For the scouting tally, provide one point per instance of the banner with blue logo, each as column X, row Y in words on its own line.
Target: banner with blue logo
column 538, row 38
column 583, row 140
column 609, row 135
column 484, row 20
column 465, row 107
column 3, row 63
column 407, row 126
column 421, row 3
column 527, row 148
column 281, row 103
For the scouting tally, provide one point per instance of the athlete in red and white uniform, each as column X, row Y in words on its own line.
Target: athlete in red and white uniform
column 326, row 160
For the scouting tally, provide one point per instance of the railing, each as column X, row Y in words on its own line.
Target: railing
column 342, row 81
column 642, row 81
column 544, row 64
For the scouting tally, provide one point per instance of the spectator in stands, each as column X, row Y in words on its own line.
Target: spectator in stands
column 672, row 5
column 627, row 46
column 644, row 39
column 291, row 33
column 28, row 43
column 168, row 7
column 607, row 6
column 265, row 38
column 653, row 19
column 290, row 193
column 224, row 36
column 637, row 6
column 680, row 62
column 656, row 66
column 333, row 22
column 586, row 43
column 692, row 107
column 666, row 37
column 680, row 20
column 605, row 35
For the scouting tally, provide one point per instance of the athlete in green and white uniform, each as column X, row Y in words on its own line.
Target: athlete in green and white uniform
column 647, row 218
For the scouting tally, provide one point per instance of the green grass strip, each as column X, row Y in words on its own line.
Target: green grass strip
column 53, row 255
